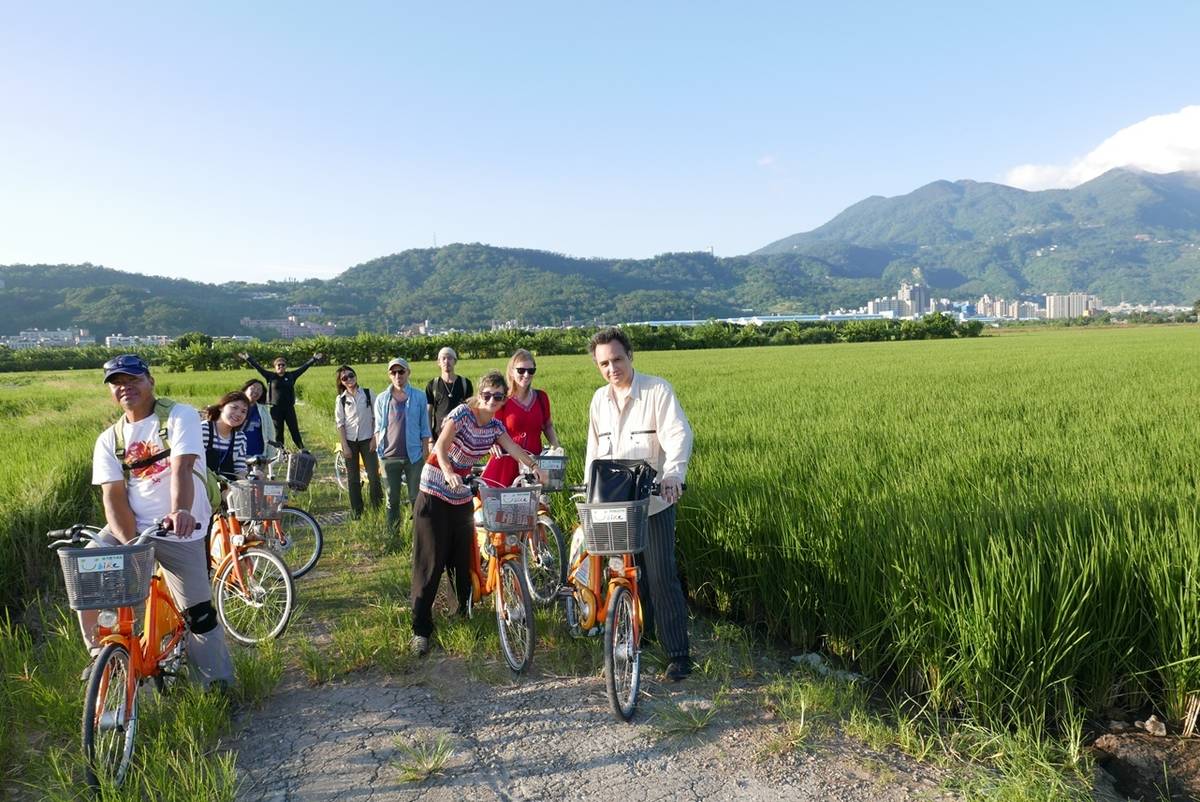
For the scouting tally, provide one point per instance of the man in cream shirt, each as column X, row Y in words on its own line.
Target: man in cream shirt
column 636, row 416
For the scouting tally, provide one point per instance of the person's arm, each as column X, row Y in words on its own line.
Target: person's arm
column 548, row 426
column 117, row 512
column 426, row 433
column 183, row 493
column 442, row 450
column 250, row 361
column 268, row 430
column 675, row 439
column 522, row 456
column 339, row 420
column 314, row 359
column 592, row 441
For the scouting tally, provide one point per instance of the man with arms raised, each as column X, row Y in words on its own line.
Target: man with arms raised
column 149, row 465
column 636, row 416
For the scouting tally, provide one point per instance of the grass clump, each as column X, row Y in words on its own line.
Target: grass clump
column 419, row 761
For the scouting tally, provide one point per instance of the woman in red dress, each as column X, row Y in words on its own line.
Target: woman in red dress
column 526, row 415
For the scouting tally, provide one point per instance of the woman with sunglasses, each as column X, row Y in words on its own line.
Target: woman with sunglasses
column 442, row 516
column 525, row 415
column 355, row 421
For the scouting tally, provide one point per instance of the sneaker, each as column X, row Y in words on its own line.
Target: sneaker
column 679, row 669
column 419, row 645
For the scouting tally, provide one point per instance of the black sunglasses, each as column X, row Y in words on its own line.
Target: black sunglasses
column 486, row 396
column 526, row 371
column 126, row 361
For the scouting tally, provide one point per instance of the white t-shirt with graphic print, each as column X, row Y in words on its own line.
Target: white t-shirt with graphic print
column 149, row 488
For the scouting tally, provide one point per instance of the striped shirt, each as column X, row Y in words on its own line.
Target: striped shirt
column 471, row 442
column 221, row 458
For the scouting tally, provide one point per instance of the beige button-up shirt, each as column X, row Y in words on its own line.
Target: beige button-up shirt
column 650, row 426
column 355, row 414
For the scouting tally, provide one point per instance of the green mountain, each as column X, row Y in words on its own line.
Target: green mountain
column 1124, row 234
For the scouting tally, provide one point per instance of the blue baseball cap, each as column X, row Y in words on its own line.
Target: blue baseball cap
column 130, row 364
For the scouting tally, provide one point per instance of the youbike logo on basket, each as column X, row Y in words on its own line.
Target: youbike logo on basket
column 513, row 499
column 617, row 516
column 93, row 565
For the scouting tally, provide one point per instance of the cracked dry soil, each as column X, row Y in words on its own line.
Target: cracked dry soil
column 541, row 738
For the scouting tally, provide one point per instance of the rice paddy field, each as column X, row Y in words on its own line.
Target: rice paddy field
column 1004, row 527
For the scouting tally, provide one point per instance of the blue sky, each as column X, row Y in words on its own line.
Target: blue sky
column 257, row 141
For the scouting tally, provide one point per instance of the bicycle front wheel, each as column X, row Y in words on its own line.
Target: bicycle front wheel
column 109, row 717
column 545, row 560
column 257, row 606
column 622, row 654
column 297, row 538
column 514, row 617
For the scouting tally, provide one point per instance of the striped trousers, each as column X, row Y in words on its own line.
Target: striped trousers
column 663, row 607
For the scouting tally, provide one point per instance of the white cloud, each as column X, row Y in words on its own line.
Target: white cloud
column 1164, row 143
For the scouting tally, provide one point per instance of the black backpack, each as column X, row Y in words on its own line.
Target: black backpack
column 620, row 480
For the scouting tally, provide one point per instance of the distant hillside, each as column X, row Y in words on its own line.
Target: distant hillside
column 1124, row 234
column 460, row 286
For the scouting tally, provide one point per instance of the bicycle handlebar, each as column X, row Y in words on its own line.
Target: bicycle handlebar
column 75, row 535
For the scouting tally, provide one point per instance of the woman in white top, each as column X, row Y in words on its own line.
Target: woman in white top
column 355, row 419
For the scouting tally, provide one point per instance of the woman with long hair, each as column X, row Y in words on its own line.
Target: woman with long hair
column 258, row 428
column 224, row 442
column 355, row 420
column 526, row 417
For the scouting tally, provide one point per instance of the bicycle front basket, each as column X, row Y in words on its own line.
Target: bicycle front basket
column 615, row 527
column 555, row 468
column 510, row 509
column 255, row 500
column 300, row 467
column 107, row 577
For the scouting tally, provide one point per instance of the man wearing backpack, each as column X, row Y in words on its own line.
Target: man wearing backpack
column 447, row 391
column 149, row 466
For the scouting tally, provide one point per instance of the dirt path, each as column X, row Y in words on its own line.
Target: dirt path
column 541, row 738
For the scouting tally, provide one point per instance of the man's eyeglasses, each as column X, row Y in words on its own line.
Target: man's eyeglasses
column 487, row 397
column 394, row 371
column 126, row 361
column 347, row 377
column 526, row 371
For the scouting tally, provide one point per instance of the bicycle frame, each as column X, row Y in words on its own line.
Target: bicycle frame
column 502, row 551
column 162, row 620
column 603, row 578
column 226, row 546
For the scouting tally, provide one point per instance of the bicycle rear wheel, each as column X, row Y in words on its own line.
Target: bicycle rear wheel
column 109, row 717
column 297, row 538
column 544, row 555
column 622, row 654
column 514, row 617
column 259, row 606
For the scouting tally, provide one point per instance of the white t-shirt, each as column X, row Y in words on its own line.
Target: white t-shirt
column 149, row 488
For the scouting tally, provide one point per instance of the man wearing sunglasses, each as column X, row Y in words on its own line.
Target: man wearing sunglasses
column 402, row 438
column 146, row 467
column 637, row 416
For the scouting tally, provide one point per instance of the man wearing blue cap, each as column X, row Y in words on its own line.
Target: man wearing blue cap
column 146, row 467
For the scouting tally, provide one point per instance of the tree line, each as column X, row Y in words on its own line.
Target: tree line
column 198, row 351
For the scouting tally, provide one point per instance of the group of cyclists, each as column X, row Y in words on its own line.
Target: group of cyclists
column 149, row 467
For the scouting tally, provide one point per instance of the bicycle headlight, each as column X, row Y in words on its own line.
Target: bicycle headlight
column 107, row 619
column 511, row 540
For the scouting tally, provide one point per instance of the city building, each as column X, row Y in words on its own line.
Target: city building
column 917, row 296
column 290, row 328
column 303, row 310
column 1071, row 305
column 133, row 340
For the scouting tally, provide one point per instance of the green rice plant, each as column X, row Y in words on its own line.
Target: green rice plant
column 422, row 760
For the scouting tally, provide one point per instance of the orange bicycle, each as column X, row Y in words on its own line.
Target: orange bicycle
column 602, row 590
column 252, row 590
column 545, row 551
column 115, row 580
column 502, row 515
column 293, row 534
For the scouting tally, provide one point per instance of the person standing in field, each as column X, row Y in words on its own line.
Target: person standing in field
column 149, row 466
column 637, row 416
column 258, row 428
column 401, row 438
column 526, row 417
column 447, row 391
column 442, row 521
column 282, row 396
column 355, row 420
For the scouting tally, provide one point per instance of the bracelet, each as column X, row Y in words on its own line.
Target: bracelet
column 181, row 509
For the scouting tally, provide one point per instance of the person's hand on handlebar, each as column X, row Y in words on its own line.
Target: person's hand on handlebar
column 670, row 489
column 453, row 480
column 181, row 523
